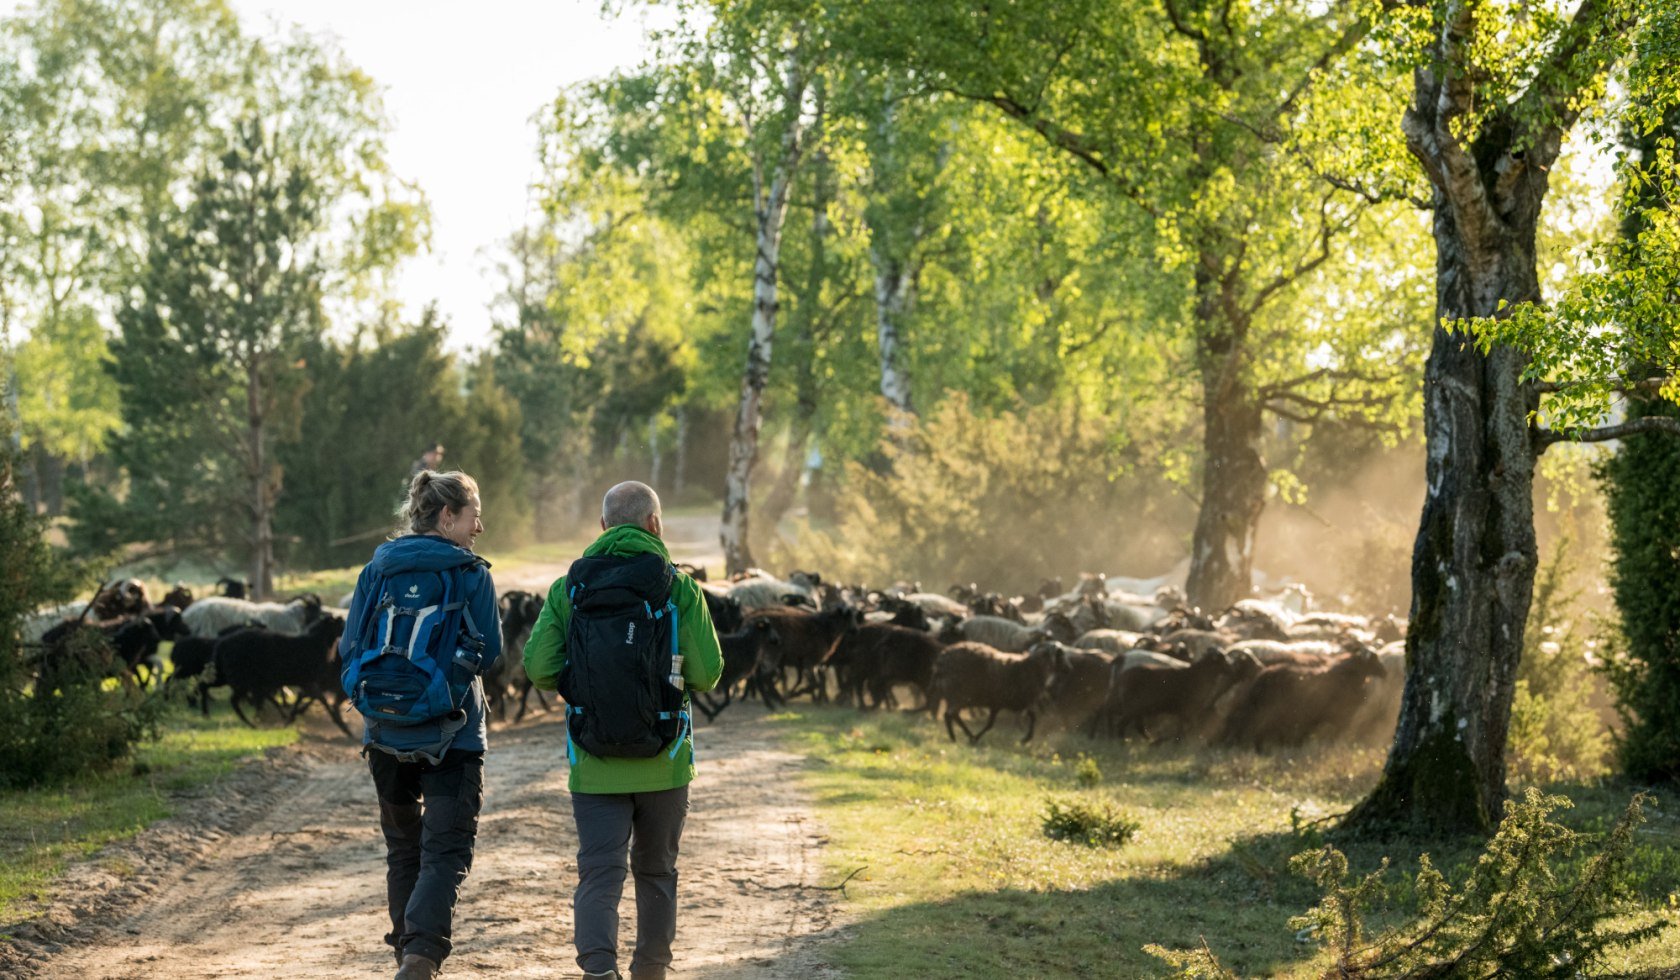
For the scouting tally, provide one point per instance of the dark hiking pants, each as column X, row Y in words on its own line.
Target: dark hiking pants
column 430, row 817
column 648, row 826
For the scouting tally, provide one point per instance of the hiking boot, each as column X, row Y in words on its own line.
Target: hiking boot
column 648, row 973
column 609, row 975
column 415, row 967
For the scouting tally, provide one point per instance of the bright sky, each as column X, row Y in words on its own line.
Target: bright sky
column 461, row 84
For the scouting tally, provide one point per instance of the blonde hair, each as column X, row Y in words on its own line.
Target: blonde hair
column 428, row 494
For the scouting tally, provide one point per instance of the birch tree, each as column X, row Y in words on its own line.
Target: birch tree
column 1496, row 91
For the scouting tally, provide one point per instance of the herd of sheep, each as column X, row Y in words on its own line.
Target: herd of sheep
column 1112, row 656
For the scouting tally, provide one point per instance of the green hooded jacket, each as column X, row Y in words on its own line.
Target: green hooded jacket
column 545, row 657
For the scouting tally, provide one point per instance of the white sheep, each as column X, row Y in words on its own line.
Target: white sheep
column 212, row 614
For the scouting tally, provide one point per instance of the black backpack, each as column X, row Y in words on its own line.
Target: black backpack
column 620, row 701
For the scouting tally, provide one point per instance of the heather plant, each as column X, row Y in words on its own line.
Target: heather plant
column 1535, row 903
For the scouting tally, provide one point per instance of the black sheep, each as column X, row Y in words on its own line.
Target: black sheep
column 876, row 657
column 191, row 655
column 256, row 664
column 744, row 659
column 807, row 640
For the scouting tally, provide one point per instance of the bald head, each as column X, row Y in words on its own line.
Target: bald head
column 631, row 503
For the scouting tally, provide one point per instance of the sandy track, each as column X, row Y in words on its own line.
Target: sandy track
column 297, row 889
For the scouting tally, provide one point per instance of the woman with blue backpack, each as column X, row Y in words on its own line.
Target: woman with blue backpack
column 421, row 629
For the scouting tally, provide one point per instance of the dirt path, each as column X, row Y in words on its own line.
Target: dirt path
column 298, row 889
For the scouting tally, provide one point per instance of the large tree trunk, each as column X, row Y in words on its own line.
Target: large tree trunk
column 1234, row 474
column 1474, row 559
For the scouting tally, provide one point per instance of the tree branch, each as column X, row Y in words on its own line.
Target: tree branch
column 1067, row 140
column 1309, row 262
column 1550, row 102
column 1605, row 433
column 1443, row 94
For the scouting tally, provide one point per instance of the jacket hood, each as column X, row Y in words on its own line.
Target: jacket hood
column 625, row 540
column 421, row 553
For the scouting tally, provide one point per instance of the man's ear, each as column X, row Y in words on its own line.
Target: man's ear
column 654, row 525
column 603, row 522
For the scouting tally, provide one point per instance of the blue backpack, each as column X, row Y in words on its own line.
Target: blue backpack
column 416, row 659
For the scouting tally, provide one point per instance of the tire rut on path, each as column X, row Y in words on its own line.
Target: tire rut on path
column 298, row 891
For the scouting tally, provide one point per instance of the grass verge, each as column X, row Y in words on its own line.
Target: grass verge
column 960, row 879
column 42, row 830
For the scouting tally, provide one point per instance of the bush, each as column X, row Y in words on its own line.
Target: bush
column 74, row 720
column 1639, row 481
column 1005, row 500
column 1527, row 908
column 79, row 721
column 1093, row 826
column 1556, row 732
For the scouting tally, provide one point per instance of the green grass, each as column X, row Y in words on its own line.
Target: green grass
column 41, row 830
column 960, row 879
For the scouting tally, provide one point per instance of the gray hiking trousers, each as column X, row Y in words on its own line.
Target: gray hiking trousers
column 648, row 826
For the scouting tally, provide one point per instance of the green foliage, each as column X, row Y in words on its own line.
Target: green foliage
column 1556, row 732
column 294, row 210
column 72, row 719
column 1004, row 499
column 77, row 721
column 1526, row 908
column 1094, row 825
column 375, row 401
column 1643, row 662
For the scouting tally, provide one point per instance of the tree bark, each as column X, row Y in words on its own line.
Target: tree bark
column 749, row 414
column 770, row 202
column 262, row 504
column 892, row 303
column 679, row 470
column 1474, row 559
column 1234, row 474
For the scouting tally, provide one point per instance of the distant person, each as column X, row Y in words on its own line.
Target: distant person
column 421, row 629
column 604, row 640
column 431, row 459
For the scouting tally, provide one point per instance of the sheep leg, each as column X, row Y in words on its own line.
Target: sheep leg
column 950, row 716
column 542, row 700
column 1032, row 721
column 991, row 719
column 233, row 700
column 525, row 690
column 204, row 698
column 335, row 711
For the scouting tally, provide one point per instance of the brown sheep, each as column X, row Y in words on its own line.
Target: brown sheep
column 973, row 675
column 1288, row 704
column 1145, row 694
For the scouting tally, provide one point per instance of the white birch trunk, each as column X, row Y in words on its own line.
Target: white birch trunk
column 892, row 301
column 770, row 202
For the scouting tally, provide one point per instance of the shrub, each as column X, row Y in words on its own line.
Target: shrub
column 1086, row 772
column 81, row 722
column 1093, row 826
column 969, row 497
column 1526, row 909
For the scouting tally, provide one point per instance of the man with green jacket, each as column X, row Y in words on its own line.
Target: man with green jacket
column 634, row 804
